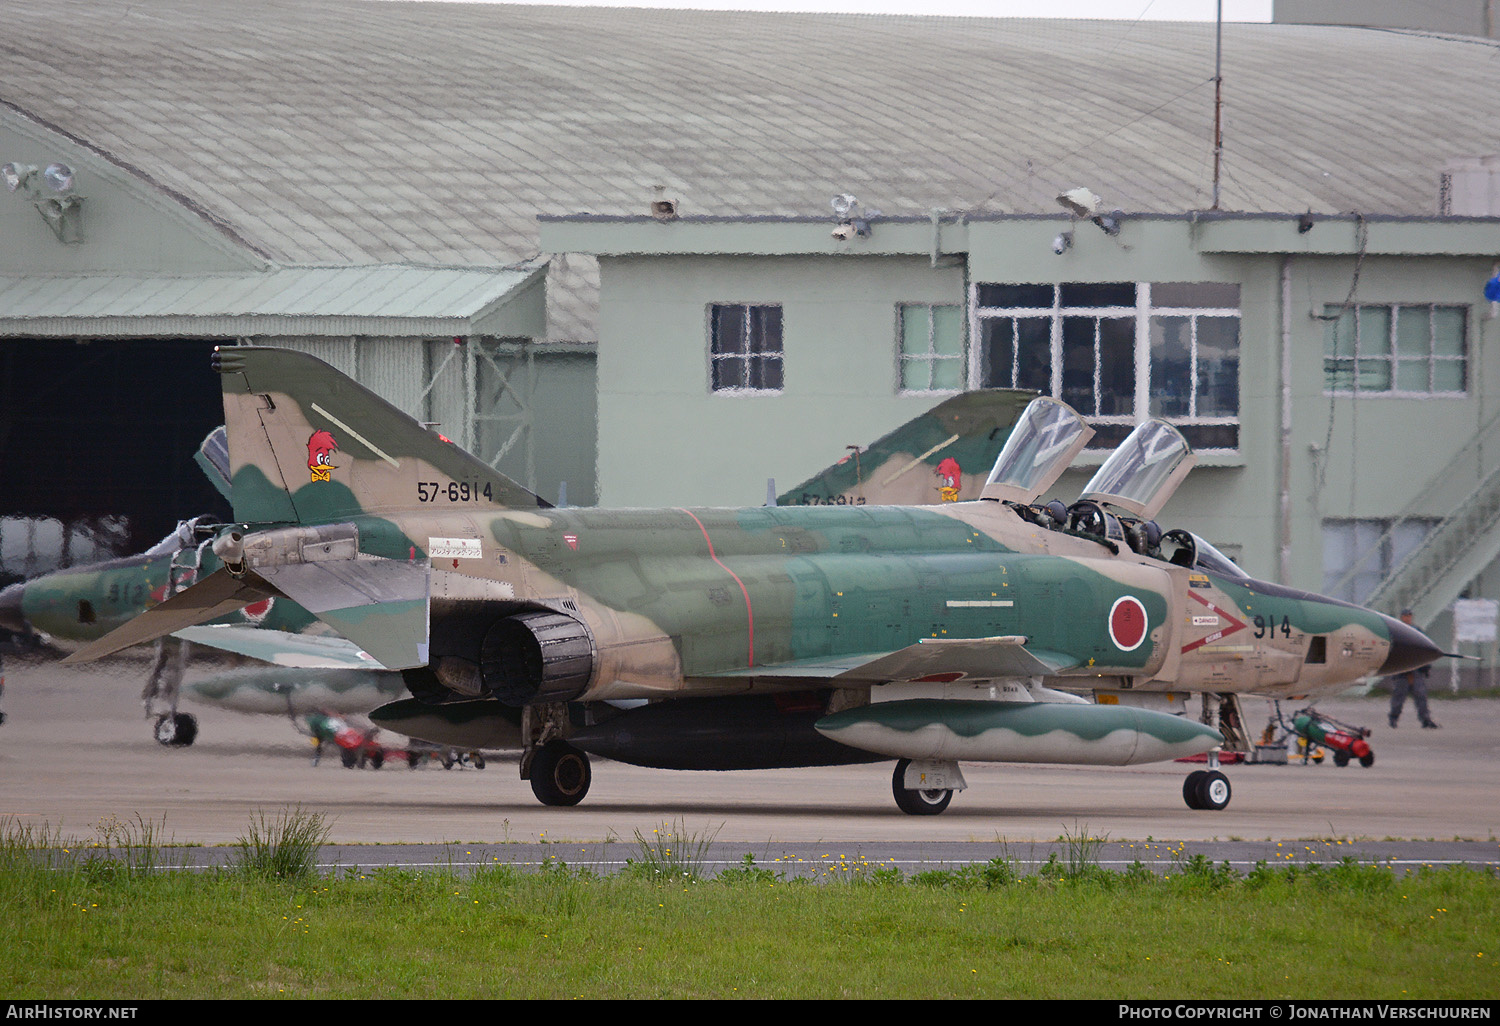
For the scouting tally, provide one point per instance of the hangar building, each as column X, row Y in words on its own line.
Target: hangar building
column 600, row 247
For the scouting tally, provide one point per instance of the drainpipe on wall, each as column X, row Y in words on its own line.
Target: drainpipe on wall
column 1284, row 562
column 937, row 233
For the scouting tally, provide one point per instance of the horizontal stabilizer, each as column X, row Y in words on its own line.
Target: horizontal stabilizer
column 216, row 595
column 378, row 604
column 280, row 648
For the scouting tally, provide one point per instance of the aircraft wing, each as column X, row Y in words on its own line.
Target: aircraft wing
column 280, row 648
column 216, row 595
column 380, row 605
column 928, row 659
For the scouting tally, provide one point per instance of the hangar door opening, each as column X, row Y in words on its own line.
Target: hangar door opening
column 96, row 447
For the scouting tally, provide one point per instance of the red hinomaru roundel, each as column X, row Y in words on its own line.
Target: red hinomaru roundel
column 1127, row 623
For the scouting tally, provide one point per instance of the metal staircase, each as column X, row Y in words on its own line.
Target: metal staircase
column 1459, row 547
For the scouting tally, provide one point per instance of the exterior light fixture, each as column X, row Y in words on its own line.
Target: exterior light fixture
column 1079, row 202
column 1062, row 243
column 59, row 177
column 1083, row 203
column 62, row 211
column 854, row 219
column 17, row 176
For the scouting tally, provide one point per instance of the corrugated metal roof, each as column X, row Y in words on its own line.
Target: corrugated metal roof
column 382, row 300
column 348, row 131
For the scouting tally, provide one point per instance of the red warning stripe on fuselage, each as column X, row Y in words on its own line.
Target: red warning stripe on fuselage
column 749, row 612
column 1234, row 624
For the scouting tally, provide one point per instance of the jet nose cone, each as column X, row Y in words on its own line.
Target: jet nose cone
column 1410, row 648
column 10, row 609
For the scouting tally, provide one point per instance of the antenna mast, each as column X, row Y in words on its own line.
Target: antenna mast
column 1218, row 96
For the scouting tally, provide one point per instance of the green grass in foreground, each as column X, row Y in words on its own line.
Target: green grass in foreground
column 119, row 926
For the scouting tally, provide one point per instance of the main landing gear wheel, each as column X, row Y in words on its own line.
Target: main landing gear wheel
column 1206, row 789
column 176, row 730
column 560, row 774
column 917, row 803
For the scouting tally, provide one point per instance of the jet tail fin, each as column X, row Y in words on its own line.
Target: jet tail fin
column 942, row 455
column 308, row 445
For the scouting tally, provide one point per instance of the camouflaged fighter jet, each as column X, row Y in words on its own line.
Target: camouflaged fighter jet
column 921, row 461
column 767, row 636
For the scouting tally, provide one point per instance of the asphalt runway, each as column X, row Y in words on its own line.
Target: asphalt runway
column 76, row 751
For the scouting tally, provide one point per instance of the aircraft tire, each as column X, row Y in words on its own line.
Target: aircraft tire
column 175, row 730
column 917, row 803
column 187, row 730
column 1190, row 788
column 560, row 774
column 1213, row 791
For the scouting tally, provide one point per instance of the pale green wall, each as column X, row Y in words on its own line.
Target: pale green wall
column 666, row 439
column 128, row 225
column 1383, row 453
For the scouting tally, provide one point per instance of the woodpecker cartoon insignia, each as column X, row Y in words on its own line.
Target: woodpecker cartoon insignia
column 952, row 477
column 320, row 449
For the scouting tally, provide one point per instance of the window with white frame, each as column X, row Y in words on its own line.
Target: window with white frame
column 1118, row 352
column 1396, row 349
column 932, row 347
column 1358, row 554
column 745, row 348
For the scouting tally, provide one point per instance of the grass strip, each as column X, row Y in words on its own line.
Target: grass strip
column 115, row 926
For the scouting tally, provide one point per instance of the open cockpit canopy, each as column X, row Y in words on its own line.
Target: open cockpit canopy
column 1143, row 472
column 1046, row 438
